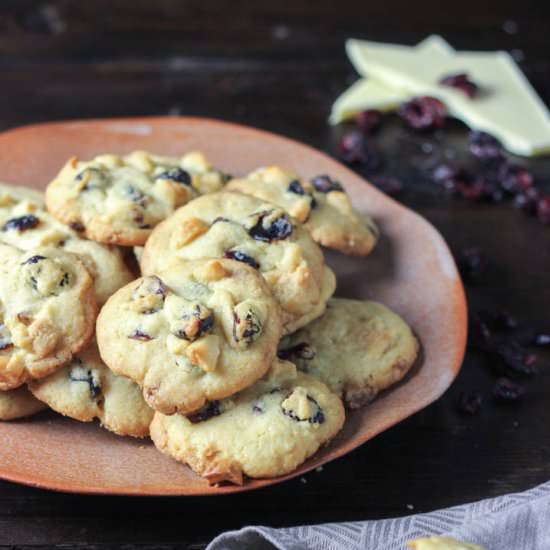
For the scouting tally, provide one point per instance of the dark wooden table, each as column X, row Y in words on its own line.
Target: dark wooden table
column 279, row 66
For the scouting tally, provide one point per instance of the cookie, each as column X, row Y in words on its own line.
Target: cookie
column 19, row 193
column 253, row 232
column 321, row 205
column 118, row 200
column 18, row 403
column 267, row 430
column 357, row 348
column 199, row 331
column 86, row 389
column 26, row 225
column 47, row 312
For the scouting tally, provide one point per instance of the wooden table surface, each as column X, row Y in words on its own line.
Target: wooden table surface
column 279, row 66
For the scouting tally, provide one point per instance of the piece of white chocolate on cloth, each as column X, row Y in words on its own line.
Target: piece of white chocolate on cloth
column 506, row 106
column 441, row 543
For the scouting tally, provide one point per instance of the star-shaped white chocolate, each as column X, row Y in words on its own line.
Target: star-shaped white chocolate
column 506, row 105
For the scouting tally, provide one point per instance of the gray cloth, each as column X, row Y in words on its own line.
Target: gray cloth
column 519, row 521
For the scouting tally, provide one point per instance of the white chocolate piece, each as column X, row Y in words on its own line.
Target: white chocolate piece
column 441, row 543
column 506, row 106
column 367, row 93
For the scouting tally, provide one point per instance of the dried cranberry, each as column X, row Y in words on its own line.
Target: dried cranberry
column 96, row 178
column 325, row 184
column 486, row 328
column 300, row 351
column 258, row 407
column 220, row 219
column 25, row 319
column 470, row 402
column 151, row 284
column 211, row 409
column 517, row 359
column 458, row 182
column 317, row 418
column 471, row 262
column 157, row 285
column 369, row 120
column 65, row 279
column 77, row 226
column 278, row 229
column 205, row 324
column 176, row 174
column 140, row 335
column 480, row 332
column 22, row 223
column 34, row 283
column 543, row 209
column 452, row 178
column 351, row 147
column 354, row 149
column 80, row 374
column 515, row 179
column 5, row 338
column 484, row 146
column 5, row 345
column 247, row 327
column 475, row 190
column 444, row 172
column 506, row 391
column 388, row 184
column 527, row 201
column 34, row 259
column 492, row 191
column 296, row 187
column 137, row 197
column 241, row 257
column 461, row 82
column 199, row 320
column 423, row 113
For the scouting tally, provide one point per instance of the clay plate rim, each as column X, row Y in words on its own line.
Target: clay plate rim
column 131, row 130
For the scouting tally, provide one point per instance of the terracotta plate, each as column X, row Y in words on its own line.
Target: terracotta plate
column 411, row 270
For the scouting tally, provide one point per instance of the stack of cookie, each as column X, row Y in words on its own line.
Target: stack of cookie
column 224, row 344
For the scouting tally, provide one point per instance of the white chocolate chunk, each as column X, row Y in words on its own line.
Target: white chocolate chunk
column 367, row 93
column 506, row 106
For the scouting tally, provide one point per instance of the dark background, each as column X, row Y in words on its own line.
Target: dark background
column 279, row 66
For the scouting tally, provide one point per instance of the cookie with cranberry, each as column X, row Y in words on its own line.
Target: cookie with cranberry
column 119, row 199
column 47, row 312
column 25, row 224
column 18, row 403
column 267, row 430
column 86, row 389
column 256, row 233
column 199, row 331
column 357, row 348
column 320, row 204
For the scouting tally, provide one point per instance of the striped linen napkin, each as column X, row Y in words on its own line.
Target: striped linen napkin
column 519, row 521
